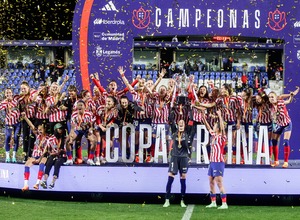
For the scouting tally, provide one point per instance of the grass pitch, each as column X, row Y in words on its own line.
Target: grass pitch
column 17, row 208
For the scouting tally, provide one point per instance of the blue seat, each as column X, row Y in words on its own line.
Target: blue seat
column 196, row 73
column 223, row 74
column 196, row 79
column 251, row 75
column 150, row 72
column 239, row 74
column 263, row 69
column 31, row 83
column 218, row 74
column 212, row 77
column 233, row 74
column 71, row 72
column 134, row 74
column 143, row 66
column 212, row 73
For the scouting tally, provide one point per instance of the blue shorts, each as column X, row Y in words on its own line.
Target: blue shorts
column 216, row 169
column 167, row 128
column 82, row 132
column 280, row 129
column 246, row 125
column 178, row 164
column 137, row 122
column 270, row 126
column 233, row 125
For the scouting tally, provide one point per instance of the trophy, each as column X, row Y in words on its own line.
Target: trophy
column 181, row 87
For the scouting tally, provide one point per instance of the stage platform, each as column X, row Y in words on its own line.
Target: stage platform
column 152, row 178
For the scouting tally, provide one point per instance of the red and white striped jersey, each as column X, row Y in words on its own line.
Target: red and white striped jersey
column 27, row 104
column 264, row 115
column 82, row 122
column 280, row 113
column 100, row 100
column 247, row 110
column 106, row 117
column 53, row 144
column 55, row 115
column 217, row 146
column 161, row 110
column 196, row 113
column 39, row 145
column 40, row 109
column 141, row 99
column 180, row 113
column 230, row 107
column 12, row 112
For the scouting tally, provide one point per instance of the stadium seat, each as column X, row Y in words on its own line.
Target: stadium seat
column 200, row 80
column 223, row 80
column 212, row 73
column 196, row 73
column 223, row 74
column 70, row 73
column 233, row 74
column 228, row 79
column 218, row 81
column 218, row 74
column 150, row 72
column 263, row 69
column 143, row 66
column 31, row 83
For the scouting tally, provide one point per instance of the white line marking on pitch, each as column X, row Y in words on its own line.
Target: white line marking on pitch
column 188, row 212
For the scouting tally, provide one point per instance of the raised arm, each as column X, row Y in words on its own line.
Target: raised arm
column 206, row 123
column 96, row 81
column 122, row 74
column 222, row 126
column 63, row 84
column 291, row 96
column 161, row 75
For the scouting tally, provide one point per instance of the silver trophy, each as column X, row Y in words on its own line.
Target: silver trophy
column 181, row 84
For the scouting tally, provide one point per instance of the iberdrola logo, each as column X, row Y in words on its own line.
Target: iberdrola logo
column 277, row 20
column 141, row 18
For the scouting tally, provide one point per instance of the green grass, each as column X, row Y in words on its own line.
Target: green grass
column 17, row 208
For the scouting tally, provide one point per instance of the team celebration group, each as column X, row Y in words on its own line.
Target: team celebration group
column 53, row 123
